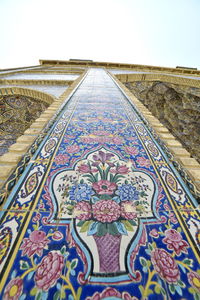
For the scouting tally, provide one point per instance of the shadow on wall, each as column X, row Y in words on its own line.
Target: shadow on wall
column 176, row 106
column 17, row 113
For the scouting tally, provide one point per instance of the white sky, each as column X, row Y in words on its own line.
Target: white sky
column 153, row 32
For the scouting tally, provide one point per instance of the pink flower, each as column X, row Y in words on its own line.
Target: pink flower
column 106, row 211
column 73, row 149
column 14, row 289
column 143, row 162
column 128, row 210
column 132, row 150
column 104, row 187
column 84, row 168
column 194, row 280
column 110, row 293
column 102, row 157
column 36, row 242
column 82, row 210
column 165, row 265
column 49, row 270
column 57, row 236
column 154, row 233
column 61, row 159
column 117, row 140
column 120, row 170
column 174, row 241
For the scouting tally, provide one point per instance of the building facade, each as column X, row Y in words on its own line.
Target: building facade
column 99, row 188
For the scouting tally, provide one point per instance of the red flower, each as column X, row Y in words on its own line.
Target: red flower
column 154, row 233
column 120, row 170
column 132, row 150
column 104, row 187
column 165, row 265
column 14, row 289
column 106, row 211
column 82, row 210
column 194, row 280
column 73, row 149
column 36, row 242
column 128, row 210
column 61, row 159
column 84, row 168
column 174, row 241
column 49, row 270
column 57, row 236
column 143, row 162
column 110, row 293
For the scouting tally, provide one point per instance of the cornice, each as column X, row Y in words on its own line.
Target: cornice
column 87, row 63
column 159, row 77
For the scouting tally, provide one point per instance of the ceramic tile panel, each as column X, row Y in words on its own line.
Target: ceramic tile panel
column 108, row 215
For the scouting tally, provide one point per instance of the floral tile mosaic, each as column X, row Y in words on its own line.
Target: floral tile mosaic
column 107, row 216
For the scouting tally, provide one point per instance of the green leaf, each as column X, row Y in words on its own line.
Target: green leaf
column 188, row 262
column 157, row 289
column 181, row 283
column 143, row 261
column 35, row 227
column 33, row 292
column 56, row 296
column 85, row 226
column 24, row 265
column 198, row 271
column 141, row 288
column 148, row 263
column 70, row 207
column 132, row 222
column 192, row 290
column 74, row 263
column 102, row 229
column 112, row 229
column 128, row 225
column 39, row 296
column 79, row 291
column 150, row 246
column 63, row 294
column 179, row 229
column 63, row 249
column 81, row 181
column 197, row 296
column 163, row 292
column 149, row 292
column 172, row 288
column 154, row 245
column 80, row 223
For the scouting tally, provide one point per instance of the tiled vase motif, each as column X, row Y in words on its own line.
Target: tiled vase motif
column 99, row 212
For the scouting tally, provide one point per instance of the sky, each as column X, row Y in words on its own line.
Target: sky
column 152, row 32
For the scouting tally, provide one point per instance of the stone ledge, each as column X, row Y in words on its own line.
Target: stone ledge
column 19, row 148
column 5, row 171
column 10, row 158
column 25, row 139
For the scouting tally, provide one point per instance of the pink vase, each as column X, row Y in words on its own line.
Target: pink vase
column 108, row 249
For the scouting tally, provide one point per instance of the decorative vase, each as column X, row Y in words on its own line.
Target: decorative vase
column 108, row 249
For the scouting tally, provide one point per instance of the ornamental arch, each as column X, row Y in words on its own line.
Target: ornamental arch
column 19, row 108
